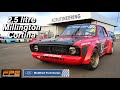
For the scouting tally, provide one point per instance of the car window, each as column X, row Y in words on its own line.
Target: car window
column 87, row 31
column 105, row 34
column 111, row 33
column 81, row 30
column 100, row 31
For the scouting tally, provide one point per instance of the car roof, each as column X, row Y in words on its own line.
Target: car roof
column 85, row 24
column 81, row 24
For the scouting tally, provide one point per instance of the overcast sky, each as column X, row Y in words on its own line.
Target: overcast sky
column 44, row 18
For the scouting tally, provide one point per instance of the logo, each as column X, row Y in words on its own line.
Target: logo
column 51, row 55
column 46, row 73
column 11, row 73
column 28, row 72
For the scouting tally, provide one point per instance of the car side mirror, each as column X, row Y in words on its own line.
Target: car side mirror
column 56, row 36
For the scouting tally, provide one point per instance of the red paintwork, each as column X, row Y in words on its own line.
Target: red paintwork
column 77, row 60
column 72, row 60
column 39, row 38
column 32, row 39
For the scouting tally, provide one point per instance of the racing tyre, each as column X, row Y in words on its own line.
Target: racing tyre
column 94, row 60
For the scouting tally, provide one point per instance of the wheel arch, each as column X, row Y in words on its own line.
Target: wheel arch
column 110, row 45
column 89, row 53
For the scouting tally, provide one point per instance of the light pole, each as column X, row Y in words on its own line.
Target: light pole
column 117, row 20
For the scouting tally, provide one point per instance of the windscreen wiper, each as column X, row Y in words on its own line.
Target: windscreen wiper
column 76, row 31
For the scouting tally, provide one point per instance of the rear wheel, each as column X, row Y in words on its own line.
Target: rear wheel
column 94, row 60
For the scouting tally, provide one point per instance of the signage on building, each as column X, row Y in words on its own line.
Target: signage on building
column 66, row 18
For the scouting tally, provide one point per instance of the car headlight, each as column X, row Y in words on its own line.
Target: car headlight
column 36, row 48
column 72, row 50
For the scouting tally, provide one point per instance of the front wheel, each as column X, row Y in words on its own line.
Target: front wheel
column 94, row 60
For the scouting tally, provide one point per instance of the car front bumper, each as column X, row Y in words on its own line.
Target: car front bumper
column 61, row 59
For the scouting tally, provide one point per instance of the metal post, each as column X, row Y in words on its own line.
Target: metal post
column 117, row 20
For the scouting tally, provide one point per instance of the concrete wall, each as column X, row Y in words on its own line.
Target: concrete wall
column 107, row 27
column 82, row 15
column 52, row 29
column 60, row 29
column 69, row 17
column 56, row 29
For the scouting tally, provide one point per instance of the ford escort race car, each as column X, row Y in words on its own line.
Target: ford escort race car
column 77, row 44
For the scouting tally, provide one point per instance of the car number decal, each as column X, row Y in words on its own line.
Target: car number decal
column 103, row 46
column 51, row 55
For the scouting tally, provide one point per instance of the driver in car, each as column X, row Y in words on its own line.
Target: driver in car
column 92, row 31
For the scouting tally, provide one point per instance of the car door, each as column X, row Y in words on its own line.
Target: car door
column 107, row 39
column 103, row 40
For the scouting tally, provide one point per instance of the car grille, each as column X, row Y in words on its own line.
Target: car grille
column 54, row 49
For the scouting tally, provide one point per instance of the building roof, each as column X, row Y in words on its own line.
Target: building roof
column 84, row 15
column 98, row 17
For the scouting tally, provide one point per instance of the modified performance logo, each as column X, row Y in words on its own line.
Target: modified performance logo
column 11, row 73
column 46, row 73
column 21, row 23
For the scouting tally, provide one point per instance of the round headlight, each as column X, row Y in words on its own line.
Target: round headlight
column 36, row 48
column 72, row 50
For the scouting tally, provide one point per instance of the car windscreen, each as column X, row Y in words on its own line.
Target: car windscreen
column 81, row 30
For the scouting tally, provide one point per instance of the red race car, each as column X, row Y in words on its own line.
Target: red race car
column 78, row 44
